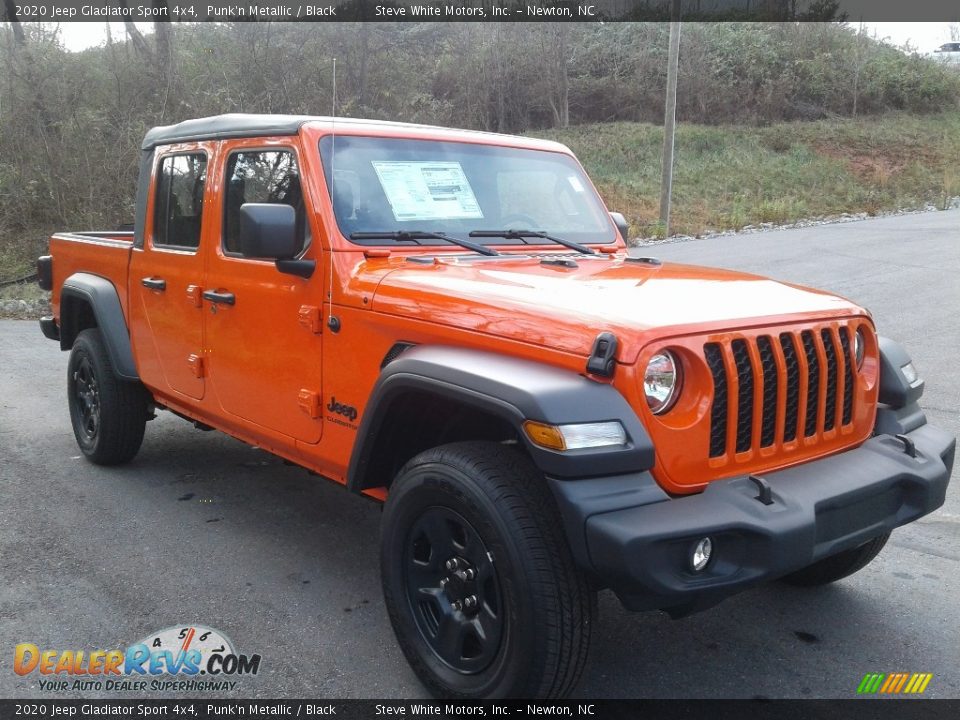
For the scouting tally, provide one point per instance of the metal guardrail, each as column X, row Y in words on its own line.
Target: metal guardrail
column 16, row 281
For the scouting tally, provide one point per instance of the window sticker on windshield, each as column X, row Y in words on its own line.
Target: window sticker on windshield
column 575, row 183
column 427, row 190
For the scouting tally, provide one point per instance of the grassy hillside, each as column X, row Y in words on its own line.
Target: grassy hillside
column 727, row 177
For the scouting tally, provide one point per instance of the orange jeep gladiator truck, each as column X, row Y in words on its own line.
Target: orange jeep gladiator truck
column 449, row 322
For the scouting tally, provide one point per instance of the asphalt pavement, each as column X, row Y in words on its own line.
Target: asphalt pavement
column 203, row 529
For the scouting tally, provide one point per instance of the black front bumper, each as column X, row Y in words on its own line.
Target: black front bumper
column 818, row 509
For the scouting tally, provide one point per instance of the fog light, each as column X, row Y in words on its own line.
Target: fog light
column 701, row 554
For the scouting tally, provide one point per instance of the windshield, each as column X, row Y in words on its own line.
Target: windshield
column 389, row 184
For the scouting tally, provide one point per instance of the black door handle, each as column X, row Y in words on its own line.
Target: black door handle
column 227, row 298
column 154, row 283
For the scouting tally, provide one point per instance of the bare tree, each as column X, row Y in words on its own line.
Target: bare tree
column 556, row 51
column 11, row 9
column 136, row 37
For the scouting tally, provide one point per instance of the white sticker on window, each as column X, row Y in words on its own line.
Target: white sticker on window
column 575, row 183
column 427, row 190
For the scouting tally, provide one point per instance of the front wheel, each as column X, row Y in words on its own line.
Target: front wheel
column 478, row 580
column 108, row 414
column 838, row 566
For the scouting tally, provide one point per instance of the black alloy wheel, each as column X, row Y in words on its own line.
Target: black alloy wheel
column 108, row 414
column 453, row 590
column 86, row 392
column 479, row 582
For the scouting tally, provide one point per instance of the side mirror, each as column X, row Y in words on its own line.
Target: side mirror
column 622, row 225
column 268, row 231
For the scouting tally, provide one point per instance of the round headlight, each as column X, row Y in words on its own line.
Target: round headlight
column 858, row 346
column 661, row 381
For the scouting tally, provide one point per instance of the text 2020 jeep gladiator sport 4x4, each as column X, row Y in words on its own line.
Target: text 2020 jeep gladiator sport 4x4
column 449, row 322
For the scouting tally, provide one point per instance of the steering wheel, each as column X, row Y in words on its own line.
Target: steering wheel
column 527, row 222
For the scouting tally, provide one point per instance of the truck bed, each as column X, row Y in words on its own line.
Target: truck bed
column 103, row 253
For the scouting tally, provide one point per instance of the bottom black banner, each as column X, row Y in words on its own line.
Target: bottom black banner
column 600, row 710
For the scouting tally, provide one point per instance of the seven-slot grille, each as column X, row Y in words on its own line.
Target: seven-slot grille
column 804, row 377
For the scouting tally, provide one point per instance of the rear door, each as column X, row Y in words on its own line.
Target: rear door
column 263, row 326
column 166, row 323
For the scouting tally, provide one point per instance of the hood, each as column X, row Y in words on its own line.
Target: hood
column 523, row 299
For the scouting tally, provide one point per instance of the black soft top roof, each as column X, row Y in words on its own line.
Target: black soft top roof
column 225, row 126
column 237, row 125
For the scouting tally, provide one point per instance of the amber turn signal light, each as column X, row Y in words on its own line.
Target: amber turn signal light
column 577, row 436
column 544, row 435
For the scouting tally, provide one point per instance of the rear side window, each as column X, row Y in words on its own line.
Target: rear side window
column 261, row 176
column 179, row 201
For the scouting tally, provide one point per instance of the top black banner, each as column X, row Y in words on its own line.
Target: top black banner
column 480, row 10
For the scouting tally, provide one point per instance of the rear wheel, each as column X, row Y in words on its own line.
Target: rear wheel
column 478, row 580
column 838, row 566
column 109, row 415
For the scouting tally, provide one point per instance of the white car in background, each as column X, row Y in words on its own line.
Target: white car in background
column 947, row 53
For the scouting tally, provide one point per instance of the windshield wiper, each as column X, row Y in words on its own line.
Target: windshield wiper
column 415, row 235
column 521, row 234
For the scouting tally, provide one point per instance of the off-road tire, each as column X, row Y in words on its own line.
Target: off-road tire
column 838, row 566
column 546, row 606
column 113, row 434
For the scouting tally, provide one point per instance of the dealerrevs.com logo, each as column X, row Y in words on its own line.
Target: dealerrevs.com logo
column 191, row 658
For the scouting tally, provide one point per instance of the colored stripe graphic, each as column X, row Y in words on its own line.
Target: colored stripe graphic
column 870, row 683
column 918, row 683
column 891, row 681
column 894, row 683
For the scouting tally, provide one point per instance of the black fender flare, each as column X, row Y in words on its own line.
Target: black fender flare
column 102, row 297
column 899, row 410
column 895, row 390
column 514, row 390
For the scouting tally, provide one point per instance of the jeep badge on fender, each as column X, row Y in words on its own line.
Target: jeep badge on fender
column 349, row 412
column 542, row 413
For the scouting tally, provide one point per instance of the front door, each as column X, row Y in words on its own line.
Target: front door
column 166, row 322
column 263, row 326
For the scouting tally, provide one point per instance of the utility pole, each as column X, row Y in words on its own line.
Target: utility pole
column 856, row 68
column 670, row 119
